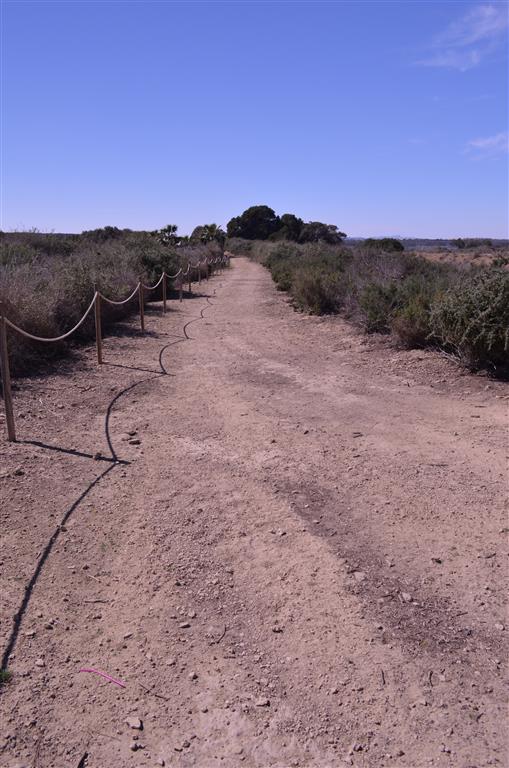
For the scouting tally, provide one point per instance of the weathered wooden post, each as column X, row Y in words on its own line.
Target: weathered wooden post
column 6, row 378
column 142, row 307
column 98, row 333
column 199, row 273
column 190, row 291
column 164, row 292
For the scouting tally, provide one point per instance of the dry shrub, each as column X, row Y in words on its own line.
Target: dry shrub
column 46, row 291
column 462, row 310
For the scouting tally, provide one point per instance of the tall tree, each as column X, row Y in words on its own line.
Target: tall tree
column 256, row 223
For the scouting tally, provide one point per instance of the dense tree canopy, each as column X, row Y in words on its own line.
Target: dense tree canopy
column 256, row 223
column 314, row 231
column 290, row 228
column 261, row 223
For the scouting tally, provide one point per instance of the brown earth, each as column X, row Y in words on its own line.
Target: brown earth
column 478, row 257
column 302, row 561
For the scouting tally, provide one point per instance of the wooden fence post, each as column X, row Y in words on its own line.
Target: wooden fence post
column 142, row 307
column 164, row 292
column 190, row 282
column 180, row 291
column 6, row 378
column 98, row 333
column 199, row 273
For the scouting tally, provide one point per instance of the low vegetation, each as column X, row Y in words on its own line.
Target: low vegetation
column 387, row 290
column 47, row 280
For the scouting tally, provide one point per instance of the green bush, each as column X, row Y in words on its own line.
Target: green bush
column 387, row 244
column 378, row 302
column 411, row 323
column 463, row 311
column 472, row 320
column 317, row 290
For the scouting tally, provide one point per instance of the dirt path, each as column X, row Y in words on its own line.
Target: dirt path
column 302, row 563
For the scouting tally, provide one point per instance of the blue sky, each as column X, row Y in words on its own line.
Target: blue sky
column 380, row 117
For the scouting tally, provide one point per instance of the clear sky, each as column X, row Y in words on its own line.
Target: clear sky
column 380, row 117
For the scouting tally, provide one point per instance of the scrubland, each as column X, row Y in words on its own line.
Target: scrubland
column 47, row 282
column 462, row 310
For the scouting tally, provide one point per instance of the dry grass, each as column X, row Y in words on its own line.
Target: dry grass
column 463, row 310
column 47, row 282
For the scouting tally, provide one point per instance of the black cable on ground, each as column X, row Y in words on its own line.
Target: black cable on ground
column 18, row 617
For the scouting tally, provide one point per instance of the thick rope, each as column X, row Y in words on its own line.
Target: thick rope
column 55, row 338
column 124, row 301
column 31, row 336
column 152, row 287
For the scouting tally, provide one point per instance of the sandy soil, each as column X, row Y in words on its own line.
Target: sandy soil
column 478, row 257
column 298, row 560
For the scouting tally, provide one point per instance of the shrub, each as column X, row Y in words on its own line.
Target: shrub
column 411, row 324
column 464, row 311
column 472, row 320
column 388, row 244
column 378, row 303
column 317, row 290
column 48, row 294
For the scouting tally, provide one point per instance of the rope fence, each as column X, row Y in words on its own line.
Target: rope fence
column 95, row 304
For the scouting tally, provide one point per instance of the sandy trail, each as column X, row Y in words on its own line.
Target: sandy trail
column 301, row 563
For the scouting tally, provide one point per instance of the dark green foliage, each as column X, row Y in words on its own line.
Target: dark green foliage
column 314, row 231
column 261, row 223
column 256, row 223
column 386, row 244
column 290, row 229
column 378, row 302
column 208, row 233
column 104, row 233
column 167, row 235
column 472, row 242
column 472, row 319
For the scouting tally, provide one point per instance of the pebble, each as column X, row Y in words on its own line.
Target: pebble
column 40, row 663
column 193, row 676
column 359, row 575
column 500, row 627
column 406, row 597
column 184, row 625
column 262, row 703
column 134, row 722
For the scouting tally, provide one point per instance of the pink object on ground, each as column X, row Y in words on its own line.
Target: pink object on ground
column 103, row 674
